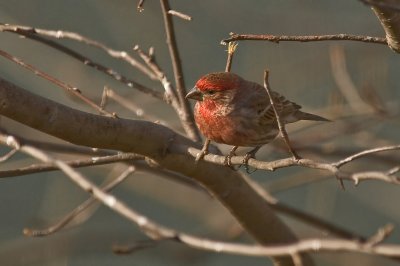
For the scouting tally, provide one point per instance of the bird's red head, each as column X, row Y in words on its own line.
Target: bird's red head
column 219, row 81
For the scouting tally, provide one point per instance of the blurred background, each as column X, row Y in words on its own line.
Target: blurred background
column 302, row 72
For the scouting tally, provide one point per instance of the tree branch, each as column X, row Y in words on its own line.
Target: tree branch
column 188, row 123
column 33, row 34
column 304, row 38
column 167, row 148
column 160, row 232
column 68, row 88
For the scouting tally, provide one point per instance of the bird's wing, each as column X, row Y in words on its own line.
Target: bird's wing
column 261, row 103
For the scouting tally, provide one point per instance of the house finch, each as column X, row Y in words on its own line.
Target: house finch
column 235, row 111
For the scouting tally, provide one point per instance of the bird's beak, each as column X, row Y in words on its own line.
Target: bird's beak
column 194, row 94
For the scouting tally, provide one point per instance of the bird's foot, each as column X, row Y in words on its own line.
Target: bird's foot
column 250, row 155
column 228, row 162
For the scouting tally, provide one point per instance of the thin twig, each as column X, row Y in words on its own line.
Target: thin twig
column 296, row 259
column 46, row 167
column 88, row 62
column 231, row 50
column 8, row 155
column 365, row 153
column 59, row 34
column 187, row 114
column 131, row 106
column 179, row 15
column 382, row 233
column 281, row 125
column 304, row 38
column 138, row 245
column 170, row 92
column 79, row 209
column 393, row 171
column 71, row 89
column 104, row 98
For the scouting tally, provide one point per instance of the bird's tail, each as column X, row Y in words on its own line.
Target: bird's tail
column 307, row 116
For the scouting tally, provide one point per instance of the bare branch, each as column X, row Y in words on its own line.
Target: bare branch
column 393, row 171
column 70, row 89
column 169, row 90
column 131, row 106
column 365, row 153
column 187, row 114
column 138, row 245
column 85, row 60
column 180, row 15
column 59, row 34
column 8, row 155
column 304, row 38
column 45, row 167
column 380, row 235
column 330, row 167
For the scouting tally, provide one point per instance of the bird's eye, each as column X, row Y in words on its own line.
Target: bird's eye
column 210, row 92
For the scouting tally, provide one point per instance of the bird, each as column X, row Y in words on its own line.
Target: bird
column 234, row 111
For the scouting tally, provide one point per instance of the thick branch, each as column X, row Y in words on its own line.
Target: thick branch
column 166, row 147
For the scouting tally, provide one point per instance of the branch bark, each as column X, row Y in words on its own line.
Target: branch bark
column 164, row 146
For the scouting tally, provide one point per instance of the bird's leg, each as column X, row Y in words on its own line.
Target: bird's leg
column 227, row 161
column 250, row 154
column 204, row 151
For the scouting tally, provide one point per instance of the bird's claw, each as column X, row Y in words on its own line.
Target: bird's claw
column 245, row 162
column 228, row 158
